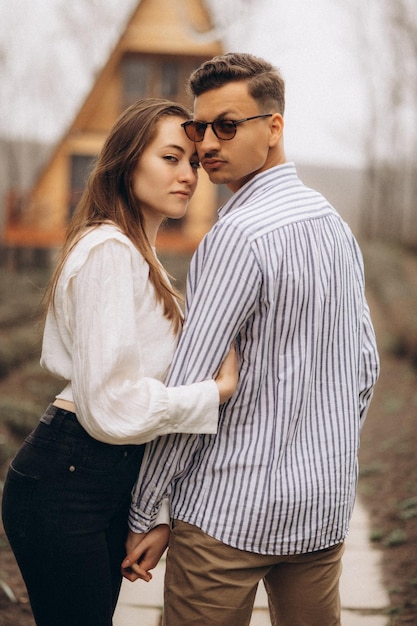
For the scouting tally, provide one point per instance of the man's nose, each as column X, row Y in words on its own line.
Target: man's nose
column 210, row 141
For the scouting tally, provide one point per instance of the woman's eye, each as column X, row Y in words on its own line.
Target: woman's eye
column 195, row 165
column 171, row 158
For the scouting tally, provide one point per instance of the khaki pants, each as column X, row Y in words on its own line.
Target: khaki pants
column 208, row 583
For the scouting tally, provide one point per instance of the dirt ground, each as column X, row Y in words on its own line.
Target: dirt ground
column 388, row 486
column 388, row 473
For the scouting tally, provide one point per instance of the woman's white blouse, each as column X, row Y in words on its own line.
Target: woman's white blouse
column 108, row 338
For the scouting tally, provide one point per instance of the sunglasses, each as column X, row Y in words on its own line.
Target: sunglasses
column 222, row 128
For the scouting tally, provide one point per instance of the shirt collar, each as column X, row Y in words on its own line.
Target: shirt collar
column 258, row 183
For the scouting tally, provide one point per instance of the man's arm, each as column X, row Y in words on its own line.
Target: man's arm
column 222, row 293
column 369, row 366
column 223, row 289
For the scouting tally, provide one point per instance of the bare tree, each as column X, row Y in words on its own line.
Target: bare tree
column 49, row 53
column 388, row 32
column 231, row 20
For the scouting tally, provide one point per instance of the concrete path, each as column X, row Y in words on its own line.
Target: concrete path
column 364, row 600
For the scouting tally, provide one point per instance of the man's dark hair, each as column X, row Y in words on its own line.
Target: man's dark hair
column 265, row 83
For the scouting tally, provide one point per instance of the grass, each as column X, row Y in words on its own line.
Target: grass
column 21, row 295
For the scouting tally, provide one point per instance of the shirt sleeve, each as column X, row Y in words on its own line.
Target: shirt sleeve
column 222, row 293
column 223, row 289
column 164, row 514
column 369, row 366
column 115, row 401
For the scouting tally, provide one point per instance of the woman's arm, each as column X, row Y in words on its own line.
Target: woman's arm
column 116, row 401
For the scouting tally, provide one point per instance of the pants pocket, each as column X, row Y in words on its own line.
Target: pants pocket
column 18, row 494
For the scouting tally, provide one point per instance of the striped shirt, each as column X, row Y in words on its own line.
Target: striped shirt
column 282, row 274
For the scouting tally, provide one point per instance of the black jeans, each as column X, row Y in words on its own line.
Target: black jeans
column 65, row 507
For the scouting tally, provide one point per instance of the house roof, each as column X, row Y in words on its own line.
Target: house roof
column 180, row 27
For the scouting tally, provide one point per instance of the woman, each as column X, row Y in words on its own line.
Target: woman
column 111, row 329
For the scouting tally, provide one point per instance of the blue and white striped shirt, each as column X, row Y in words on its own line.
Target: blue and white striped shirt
column 282, row 274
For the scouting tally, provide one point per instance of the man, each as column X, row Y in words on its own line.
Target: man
column 271, row 495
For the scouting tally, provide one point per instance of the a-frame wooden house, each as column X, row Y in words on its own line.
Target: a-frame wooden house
column 162, row 43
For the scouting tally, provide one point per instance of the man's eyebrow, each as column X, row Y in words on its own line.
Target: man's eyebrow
column 224, row 115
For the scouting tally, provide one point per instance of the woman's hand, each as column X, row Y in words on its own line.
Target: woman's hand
column 228, row 376
column 144, row 551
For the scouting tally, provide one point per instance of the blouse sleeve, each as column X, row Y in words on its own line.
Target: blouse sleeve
column 115, row 402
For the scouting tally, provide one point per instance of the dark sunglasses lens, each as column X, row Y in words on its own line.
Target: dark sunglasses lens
column 224, row 129
column 195, row 131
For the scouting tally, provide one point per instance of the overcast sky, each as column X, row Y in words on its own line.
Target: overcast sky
column 46, row 66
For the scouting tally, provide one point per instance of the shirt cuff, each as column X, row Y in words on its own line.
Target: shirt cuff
column 164, row 514
column 196, row 412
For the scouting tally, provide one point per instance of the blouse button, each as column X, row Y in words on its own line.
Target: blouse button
column 125, row 453
column 72, row 468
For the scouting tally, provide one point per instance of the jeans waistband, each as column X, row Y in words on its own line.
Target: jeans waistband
column 54, row 413
column 66, row 421
column 61, row 419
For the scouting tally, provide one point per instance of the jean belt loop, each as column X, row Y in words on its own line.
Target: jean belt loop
column 54, row 417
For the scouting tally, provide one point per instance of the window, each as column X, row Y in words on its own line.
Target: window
column 135, row 78
column 169, row 79
column 80, row 169
column 158, row 76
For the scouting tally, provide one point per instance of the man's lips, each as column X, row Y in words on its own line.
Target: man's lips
column 211, row 163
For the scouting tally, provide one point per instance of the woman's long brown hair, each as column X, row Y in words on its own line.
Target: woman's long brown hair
column 109, row 195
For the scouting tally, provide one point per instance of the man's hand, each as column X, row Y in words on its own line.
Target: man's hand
column 144, row 551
